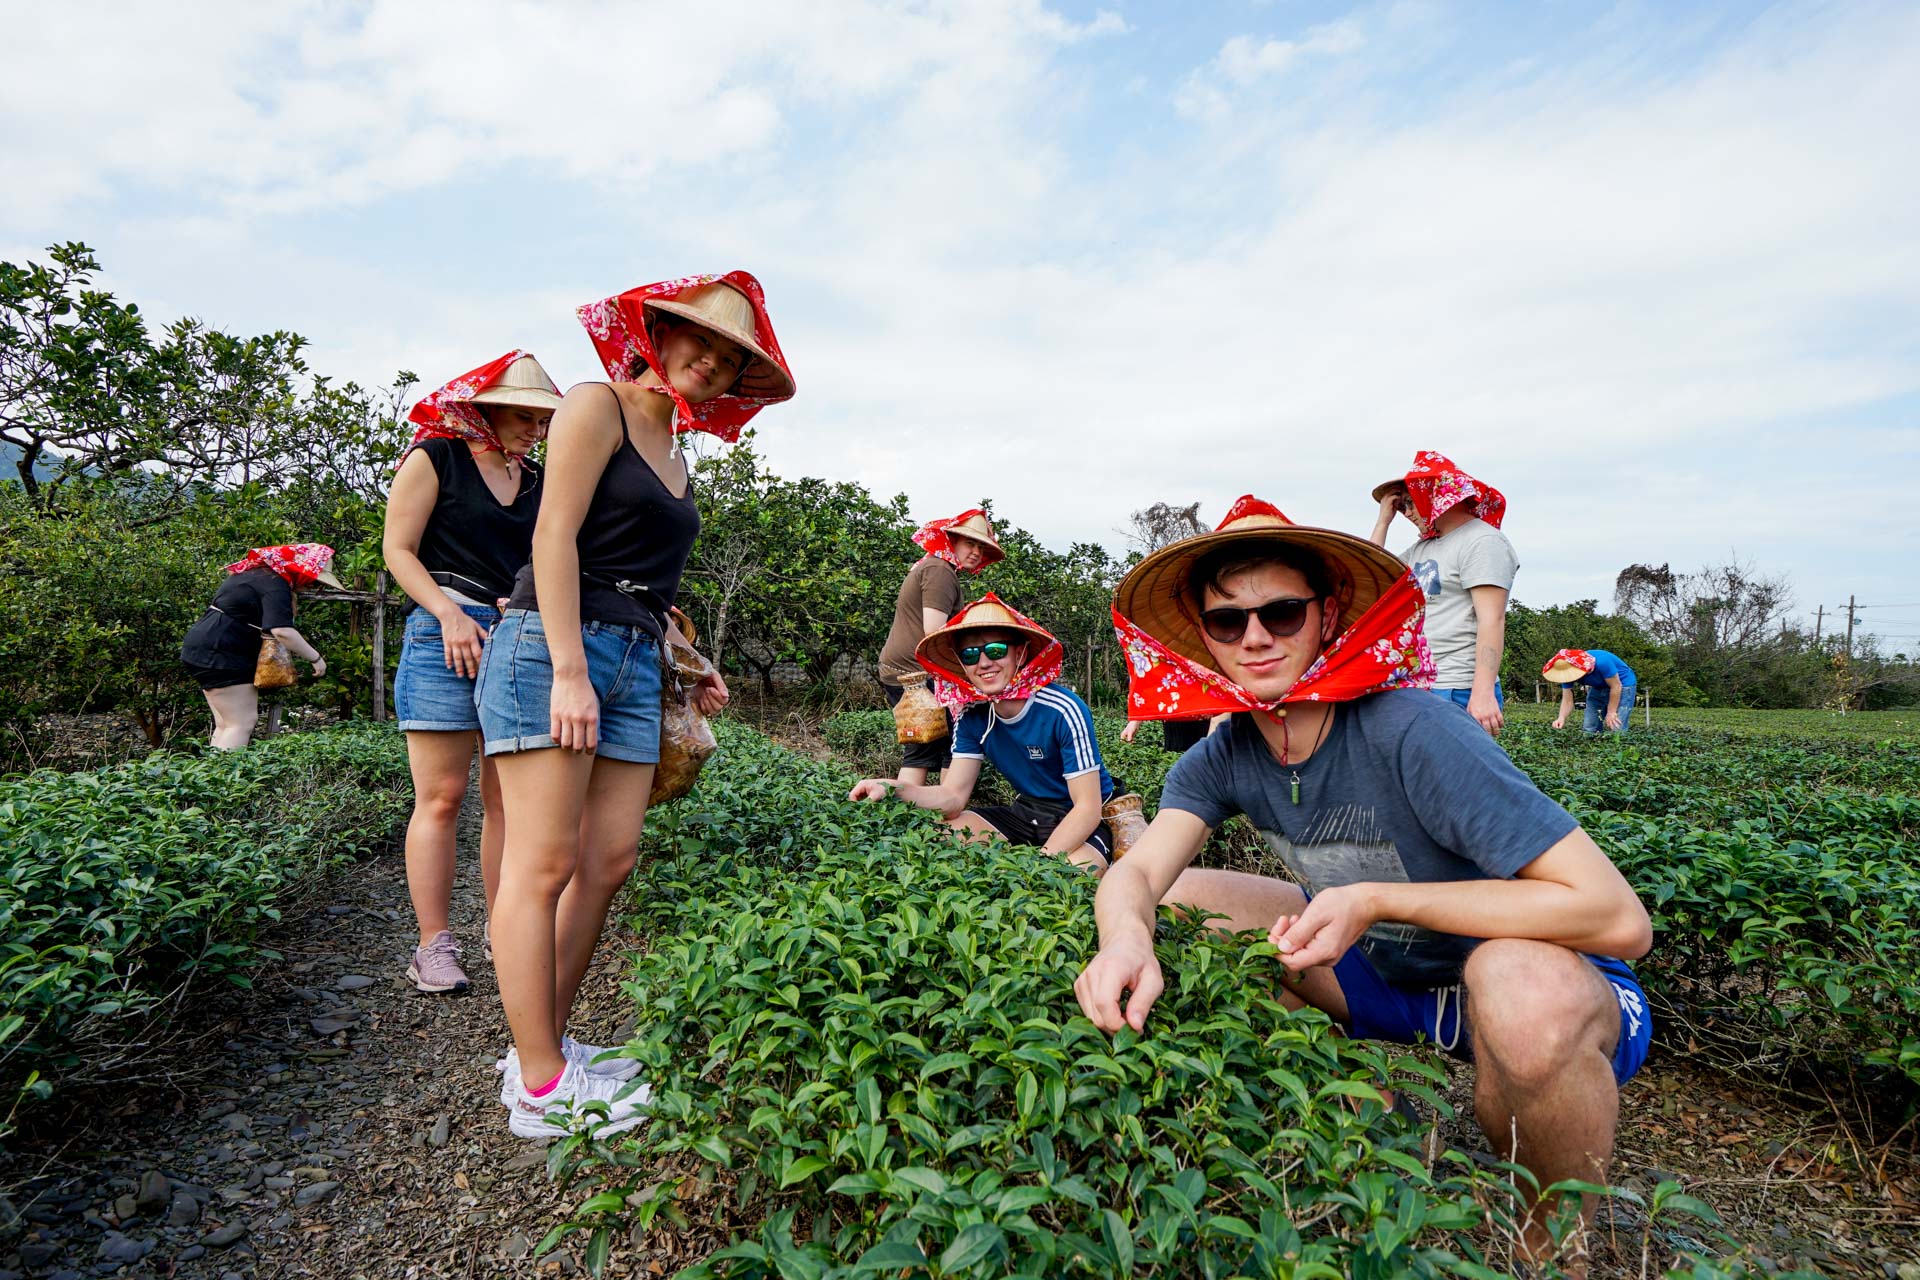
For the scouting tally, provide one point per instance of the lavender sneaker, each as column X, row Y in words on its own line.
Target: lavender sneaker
column 436, row 966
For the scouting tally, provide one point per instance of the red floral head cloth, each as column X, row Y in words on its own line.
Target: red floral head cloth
column 622, row 332
column 939, row 653
column 1437, row 486
column 1384, row 647
column 1568, row 665
column 302, row 564
column 935, row 537
column 448, row 414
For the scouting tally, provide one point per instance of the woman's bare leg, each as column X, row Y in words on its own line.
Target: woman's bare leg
column 439, row 762
column 616, row 810
column 544, row 793
column 235, row 708
column 493, row 830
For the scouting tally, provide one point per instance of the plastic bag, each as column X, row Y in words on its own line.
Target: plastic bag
column 1127, row 820
column 686, row 739
column 274, row 669
column 917, row 717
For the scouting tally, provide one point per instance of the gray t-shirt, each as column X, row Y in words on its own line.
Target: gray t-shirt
column 1405, row 790
column 1448, row 568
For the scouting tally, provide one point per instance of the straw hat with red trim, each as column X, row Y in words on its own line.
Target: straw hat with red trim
column 938, row 535
column 720, row 308
column 523, row 383
column 1567, row 666
column 1154, row 595
column 940, row 649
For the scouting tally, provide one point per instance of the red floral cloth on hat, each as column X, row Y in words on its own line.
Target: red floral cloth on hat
column 620, row 336
column 932, row 538
column 1579, row 659
column 300, row 564
column 1385, row 648
column 446, row 415
column 1042, row 668
column 1437, row 486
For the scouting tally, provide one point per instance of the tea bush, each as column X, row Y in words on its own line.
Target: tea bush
column 1782, row 876
column 119, row 887
column 867, row 1058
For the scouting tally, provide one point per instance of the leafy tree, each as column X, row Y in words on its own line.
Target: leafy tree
column 79, row 379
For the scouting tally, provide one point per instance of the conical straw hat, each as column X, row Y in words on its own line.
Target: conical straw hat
column 941, row 648
column 1155, row 598
column 723, row 309
column 522, row 383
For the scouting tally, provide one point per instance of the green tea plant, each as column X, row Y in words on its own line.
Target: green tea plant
column 867, row 1059
column 119, row 888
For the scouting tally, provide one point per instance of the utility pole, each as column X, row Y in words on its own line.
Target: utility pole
column 1849, row 628
column 1819, row 615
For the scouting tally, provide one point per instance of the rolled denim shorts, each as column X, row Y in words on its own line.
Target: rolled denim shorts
column 516, row 686
column 427, row 693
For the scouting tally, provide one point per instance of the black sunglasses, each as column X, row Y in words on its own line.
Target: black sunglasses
column 994, row 649
column 1282, row 617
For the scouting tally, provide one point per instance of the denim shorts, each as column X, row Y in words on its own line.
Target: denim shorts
column 516, row 684
column 1461, row 697
column 1378, row 1010
column 427, row 693
column 1597, row 708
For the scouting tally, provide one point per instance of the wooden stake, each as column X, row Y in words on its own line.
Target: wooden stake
column 380, row 645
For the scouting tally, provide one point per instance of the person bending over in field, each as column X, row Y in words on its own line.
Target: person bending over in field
column 1610, row 683
column 999, row 666
column 1440, row 895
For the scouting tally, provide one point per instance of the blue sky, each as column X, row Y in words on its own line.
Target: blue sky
column 1652, row 269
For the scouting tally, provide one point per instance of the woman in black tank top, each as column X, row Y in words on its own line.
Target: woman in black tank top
column 459, row 525
column 570, row 684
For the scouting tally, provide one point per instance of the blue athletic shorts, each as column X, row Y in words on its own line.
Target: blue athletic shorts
column 516, row 687
column 427, row 693
column 1402, row 1015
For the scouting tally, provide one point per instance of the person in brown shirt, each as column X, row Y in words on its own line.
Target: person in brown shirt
column 929, row 596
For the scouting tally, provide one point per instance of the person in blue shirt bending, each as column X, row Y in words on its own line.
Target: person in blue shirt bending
column 995, row 668
column 1611, row 687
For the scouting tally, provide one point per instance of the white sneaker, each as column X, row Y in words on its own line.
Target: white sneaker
column 575, row 1052
column 571, row 1104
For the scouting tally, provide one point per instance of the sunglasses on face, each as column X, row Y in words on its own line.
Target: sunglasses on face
column 1282, row 617
column 993, row 650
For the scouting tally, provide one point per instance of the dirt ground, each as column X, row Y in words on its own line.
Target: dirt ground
column 338, row 1124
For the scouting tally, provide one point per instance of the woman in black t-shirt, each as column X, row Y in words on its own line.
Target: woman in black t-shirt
column 570, row 684
column 459, row 525
column 256, row 600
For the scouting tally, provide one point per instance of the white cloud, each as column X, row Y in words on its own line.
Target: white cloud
column 1208, row 92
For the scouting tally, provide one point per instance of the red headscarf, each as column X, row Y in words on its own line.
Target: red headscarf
column 1041, row 670
column 621, row 336
column 300, row 564
column 446, row 415
column 1579, row 659
column 1437, row 486
column 932, row 538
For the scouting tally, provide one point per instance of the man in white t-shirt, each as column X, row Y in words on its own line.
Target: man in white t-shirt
column 1466, row 566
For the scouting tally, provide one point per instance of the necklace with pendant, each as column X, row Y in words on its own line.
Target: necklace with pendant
column 1293, row 774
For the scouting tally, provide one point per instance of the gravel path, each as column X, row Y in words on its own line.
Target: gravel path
column 338, row 1123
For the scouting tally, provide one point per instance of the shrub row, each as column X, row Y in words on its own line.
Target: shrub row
column 120, row 887
column 867, row 1059
column 1782, row 876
